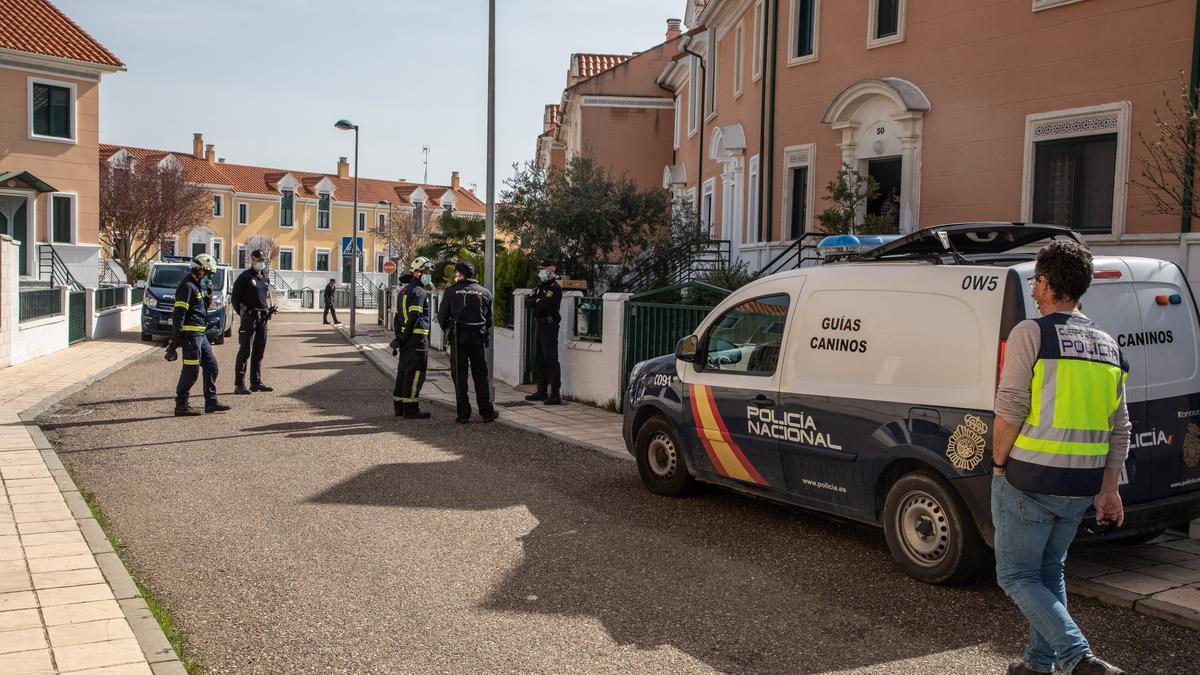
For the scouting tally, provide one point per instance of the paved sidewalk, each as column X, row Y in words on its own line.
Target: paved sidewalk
column 574, row 423
column 1160, row 579
column 67, row 604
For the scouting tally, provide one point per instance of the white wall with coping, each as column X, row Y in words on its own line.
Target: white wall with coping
column 112, row 320
column 39, row 337
column 9, row 284
column 591, row 371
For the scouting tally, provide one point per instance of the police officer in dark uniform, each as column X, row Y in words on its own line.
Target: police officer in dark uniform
column 250, row 301
column 189, row 322
column 327, row 298
column 465, row 315
column 544, row 302
column 411, row 325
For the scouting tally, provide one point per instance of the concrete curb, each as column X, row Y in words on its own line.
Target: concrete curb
column 158, row 650
column 387, row 370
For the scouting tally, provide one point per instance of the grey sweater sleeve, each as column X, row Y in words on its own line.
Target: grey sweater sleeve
column 1118, row 439
column 1012, row 394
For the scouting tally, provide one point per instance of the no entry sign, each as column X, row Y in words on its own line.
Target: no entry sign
column 389, row 266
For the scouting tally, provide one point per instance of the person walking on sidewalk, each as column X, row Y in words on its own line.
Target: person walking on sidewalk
column 411, row 325
column 465, row 315
column 1060, row 440
column 189, row 321
column 328, row 302
column 545, row 302
column 250, row 301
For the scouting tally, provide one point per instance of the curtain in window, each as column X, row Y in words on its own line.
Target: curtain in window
column 887, row 20
column 1073, row 182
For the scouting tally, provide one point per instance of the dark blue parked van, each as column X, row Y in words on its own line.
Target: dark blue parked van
column 159, row 301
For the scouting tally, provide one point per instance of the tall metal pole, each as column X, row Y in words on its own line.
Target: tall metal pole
column 490, row 236
column 354, row 240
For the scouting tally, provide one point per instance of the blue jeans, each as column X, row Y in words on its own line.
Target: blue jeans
column 1033, row 532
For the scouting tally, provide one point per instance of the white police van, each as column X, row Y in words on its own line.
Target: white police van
column 865, row 389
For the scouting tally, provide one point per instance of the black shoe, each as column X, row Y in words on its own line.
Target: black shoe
column 261, row 387
column 398, row 407
column 417, row 414
column 325, row 323
column 1094, row 666
column 552, row 399
column 215, row 408
column 462, row 419
column 187, row 411
column 539, row 396
column 241, row 390
column 1019, row 668
column 491, row 417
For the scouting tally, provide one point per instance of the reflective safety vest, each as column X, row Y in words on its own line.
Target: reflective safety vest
column 413, row 300
column 1078, row 386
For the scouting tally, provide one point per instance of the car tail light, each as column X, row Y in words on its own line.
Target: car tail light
column 1000, row 360
column 1106, row 274
column 1173, row 299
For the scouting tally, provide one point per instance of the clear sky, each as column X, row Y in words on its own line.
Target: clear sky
column 265, row 80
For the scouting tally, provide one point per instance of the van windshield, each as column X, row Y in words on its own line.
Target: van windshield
column 167, row 276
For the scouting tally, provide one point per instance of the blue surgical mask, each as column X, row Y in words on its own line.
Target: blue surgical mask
column 543, row 275
column 260, row 266
column 426, row 280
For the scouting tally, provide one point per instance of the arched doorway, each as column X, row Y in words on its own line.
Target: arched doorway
column 881, row 123
column 728, row 148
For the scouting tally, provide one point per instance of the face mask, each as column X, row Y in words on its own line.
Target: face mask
column 426, row 280
column 260, row 266
column 543, row 275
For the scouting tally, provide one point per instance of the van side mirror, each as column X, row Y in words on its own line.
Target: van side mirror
column 141, row 283
column 686, row 349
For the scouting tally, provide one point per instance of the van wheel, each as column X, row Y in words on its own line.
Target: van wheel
column 146, row 337
column 660, row 460
column 228, row 331
column 219, row 339
column 930, row 532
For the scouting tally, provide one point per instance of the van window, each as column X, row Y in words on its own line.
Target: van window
column 167, row 276
column 746, row 338
column 887, row 338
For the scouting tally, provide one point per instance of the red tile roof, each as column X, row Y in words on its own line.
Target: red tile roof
column 259, row 180
column 38, row 27
column 591, row 65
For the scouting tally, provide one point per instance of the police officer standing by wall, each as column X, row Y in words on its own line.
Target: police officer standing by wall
column 411, row 324
column 544, row 302
column 189, row 322
column 465, row 315
column 250, row 301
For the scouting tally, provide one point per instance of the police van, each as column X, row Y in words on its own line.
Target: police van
column 865, row 389
column 158, row 303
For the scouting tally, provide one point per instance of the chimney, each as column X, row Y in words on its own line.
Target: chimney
column 198, row 146
column 454, row 181
column 220, row 160
column 210, row 154
column 343, row 168
column 674, row 28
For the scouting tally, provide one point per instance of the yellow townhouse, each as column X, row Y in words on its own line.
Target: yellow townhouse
column 308, row 215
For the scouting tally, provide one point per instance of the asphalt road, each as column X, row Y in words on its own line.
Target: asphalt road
column 309, row 531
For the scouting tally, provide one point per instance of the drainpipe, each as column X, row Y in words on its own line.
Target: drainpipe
column 769, row 203
column 1189, row 162
column 687, row 47
column 762, row 124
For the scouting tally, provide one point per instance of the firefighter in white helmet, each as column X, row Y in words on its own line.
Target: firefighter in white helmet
column 411, row 325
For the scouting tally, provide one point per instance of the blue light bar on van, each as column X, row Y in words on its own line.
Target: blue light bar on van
column 842, row 244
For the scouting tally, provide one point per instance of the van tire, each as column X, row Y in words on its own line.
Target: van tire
column 930, row 532
column 219, row 339
column 660, row 460
column 146, row 337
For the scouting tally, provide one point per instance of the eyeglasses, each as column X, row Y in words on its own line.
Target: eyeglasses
column 1034, row 279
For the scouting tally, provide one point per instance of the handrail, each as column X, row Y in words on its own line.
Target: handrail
column 794, row 251
column 278, row 281
column 108, row 275
column 60, row 274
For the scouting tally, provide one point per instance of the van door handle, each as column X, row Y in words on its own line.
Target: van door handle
column 763, row 400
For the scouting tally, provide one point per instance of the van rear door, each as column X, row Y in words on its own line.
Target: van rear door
column 1170, row 432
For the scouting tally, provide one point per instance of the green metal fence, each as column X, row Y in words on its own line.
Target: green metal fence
column 136, row 295
column 589, row 319
column 653, row 328
column 39, row 304
column 76, row 321
column 107, row 298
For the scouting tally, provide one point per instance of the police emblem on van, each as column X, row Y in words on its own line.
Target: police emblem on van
column 1191, row 447
column 966, row 445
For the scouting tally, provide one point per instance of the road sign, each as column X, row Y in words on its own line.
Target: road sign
column 389, row 266
column 348, row 248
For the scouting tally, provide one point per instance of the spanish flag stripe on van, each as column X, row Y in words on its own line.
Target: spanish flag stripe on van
column 729, row 459
column 708, row 449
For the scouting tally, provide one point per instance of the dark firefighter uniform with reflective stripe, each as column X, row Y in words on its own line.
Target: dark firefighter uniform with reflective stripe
column 1077, row 391
column 411, row 325
column 188, row 322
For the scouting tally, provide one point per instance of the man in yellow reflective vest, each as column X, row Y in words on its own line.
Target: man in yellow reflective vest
column 411, row 325
column 1061, row 439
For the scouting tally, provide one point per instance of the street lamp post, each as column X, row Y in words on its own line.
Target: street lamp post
column 490, row 240
column 347, row 125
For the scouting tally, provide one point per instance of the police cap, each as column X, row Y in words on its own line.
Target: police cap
column 257, row 254
column 546, row 262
